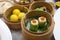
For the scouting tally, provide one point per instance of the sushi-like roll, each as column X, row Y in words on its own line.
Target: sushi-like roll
column 42, row 21
column 34, row 25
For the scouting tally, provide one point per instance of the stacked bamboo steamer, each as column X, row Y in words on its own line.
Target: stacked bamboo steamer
column 15, row 6
column 29, row 13
column 38, row 36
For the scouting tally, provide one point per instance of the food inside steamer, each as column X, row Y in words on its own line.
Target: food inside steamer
column 42, row 8
column 34, row 25
column 37, row 24
column 16, row 15
column 25, row 1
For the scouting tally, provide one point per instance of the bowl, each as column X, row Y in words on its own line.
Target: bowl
column 13, row 25
column 28, row 35
column 39, row 4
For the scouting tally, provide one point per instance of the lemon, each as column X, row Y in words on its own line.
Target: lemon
column 21, row 15
column 14, row 18
column 16, row 12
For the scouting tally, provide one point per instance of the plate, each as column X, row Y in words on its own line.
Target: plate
column 5, row 33
column 57, row 25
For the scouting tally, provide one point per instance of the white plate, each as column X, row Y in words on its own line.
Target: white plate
column 57, row 25
column 5, row 33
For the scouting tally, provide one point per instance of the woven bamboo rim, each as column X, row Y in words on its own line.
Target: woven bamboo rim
column 40, row 3
column 13, row 26
column 31, row 36
column 34, row 13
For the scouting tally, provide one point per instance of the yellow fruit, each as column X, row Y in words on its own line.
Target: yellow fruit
column 16, row 12
column 21, row 15
column 14, row 18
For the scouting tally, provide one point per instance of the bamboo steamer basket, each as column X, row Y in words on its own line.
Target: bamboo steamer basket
column 27, row 35
column 23, row 4
column 13, row 25
column 39, row 4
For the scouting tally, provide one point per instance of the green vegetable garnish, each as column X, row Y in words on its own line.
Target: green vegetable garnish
column 40, row 9
column 34, row 28
column 37, row 9
column 44, row 27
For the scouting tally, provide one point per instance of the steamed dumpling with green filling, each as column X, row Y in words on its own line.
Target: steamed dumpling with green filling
column 34, row 25
column 42, row 21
